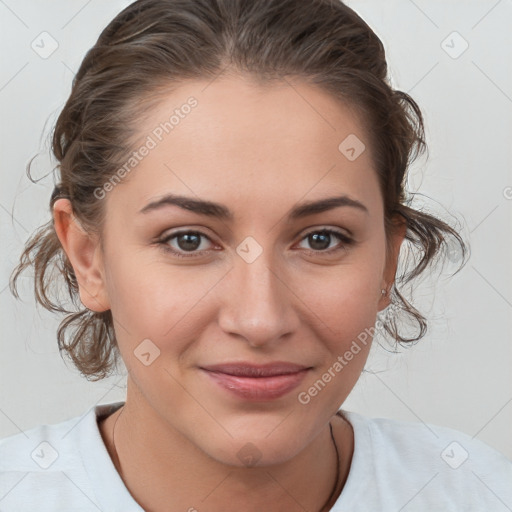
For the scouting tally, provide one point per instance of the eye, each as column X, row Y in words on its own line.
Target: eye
column 320, row 240
column 186, row 242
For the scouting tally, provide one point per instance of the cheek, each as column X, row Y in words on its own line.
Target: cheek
column 160, row 303
column 345, row 331
column 343, row 306
column 344, row 298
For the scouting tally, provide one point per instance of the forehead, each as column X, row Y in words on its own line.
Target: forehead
column 254, row 144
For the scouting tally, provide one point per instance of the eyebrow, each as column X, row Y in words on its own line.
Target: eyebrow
column 217, row 210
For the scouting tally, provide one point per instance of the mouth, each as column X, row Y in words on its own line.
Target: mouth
column 257, row 382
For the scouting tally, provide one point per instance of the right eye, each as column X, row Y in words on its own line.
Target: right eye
column 186, row 242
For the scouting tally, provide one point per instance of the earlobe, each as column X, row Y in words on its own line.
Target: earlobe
column 84, row 254
column 398, row 236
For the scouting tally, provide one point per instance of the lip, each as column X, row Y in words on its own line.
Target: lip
column 257, row 382
column 243, row 369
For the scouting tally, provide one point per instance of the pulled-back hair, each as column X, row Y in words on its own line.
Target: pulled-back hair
column 154, row 45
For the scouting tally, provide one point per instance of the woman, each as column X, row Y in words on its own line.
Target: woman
column 230, row 212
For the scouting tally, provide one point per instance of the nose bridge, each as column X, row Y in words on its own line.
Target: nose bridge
column 261, row 281
column 257, row 304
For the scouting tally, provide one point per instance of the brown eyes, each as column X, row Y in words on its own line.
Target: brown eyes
column 187, row 243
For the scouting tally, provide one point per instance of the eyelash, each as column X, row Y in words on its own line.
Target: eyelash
column 164, row 243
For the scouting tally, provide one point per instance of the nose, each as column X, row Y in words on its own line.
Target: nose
column 257, row 303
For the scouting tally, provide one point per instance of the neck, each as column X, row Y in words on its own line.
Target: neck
column 175, row 474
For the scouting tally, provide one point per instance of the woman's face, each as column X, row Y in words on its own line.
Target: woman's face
column 258, row 284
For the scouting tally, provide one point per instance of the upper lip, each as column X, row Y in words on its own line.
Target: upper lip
column 243, row 369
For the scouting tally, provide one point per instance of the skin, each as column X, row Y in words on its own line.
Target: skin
column 259, row 151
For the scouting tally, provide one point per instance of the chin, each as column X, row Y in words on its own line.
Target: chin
column 260, row 450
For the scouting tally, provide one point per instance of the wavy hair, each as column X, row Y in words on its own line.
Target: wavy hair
column 154, row 44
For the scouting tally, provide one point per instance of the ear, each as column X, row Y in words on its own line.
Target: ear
column 399, row 230
column 84, row 254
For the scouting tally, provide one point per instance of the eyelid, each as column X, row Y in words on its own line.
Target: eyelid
column 171, row 235
column 345, row 240
column 167, row 234
column 341, row 231
column 163, row 244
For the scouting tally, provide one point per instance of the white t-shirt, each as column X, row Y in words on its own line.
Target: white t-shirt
column 396, row 466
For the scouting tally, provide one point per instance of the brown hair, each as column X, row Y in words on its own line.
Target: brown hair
column 153, row 44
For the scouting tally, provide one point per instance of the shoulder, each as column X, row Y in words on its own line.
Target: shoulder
column 43, row 467
column 418, row 436
column 445, row 467
column 37, row 448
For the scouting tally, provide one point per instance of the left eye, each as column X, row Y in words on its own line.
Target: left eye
column 320, row 240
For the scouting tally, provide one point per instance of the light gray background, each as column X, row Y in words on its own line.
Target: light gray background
column 459, row 374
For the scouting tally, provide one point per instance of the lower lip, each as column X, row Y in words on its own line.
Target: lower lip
column 258, row 388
